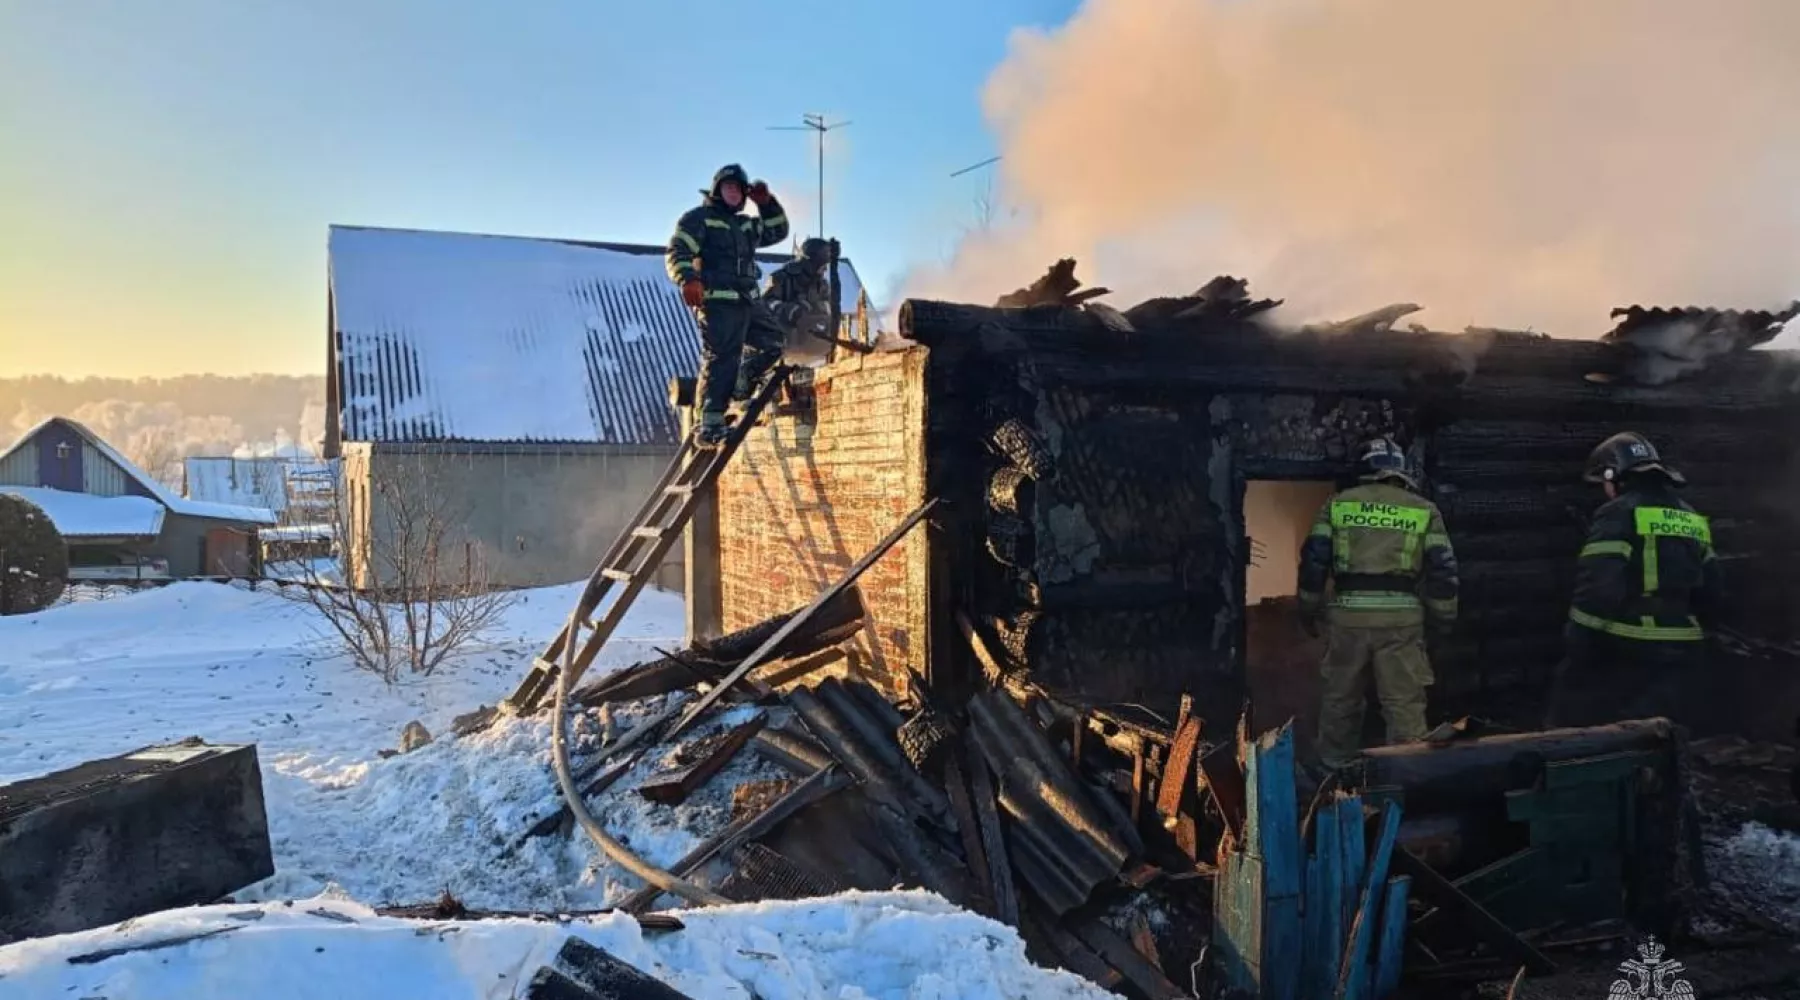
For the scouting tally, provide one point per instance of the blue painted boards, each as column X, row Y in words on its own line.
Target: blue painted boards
column 1289, row 925
column 1324, row 907
column 1275, row 816
column 1354, row 978
column 1390, row 942
column 1256, row 896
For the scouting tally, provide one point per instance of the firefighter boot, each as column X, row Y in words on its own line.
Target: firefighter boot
column 711, row 429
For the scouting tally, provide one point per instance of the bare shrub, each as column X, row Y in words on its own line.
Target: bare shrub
column 34, row 560
column 410, row 589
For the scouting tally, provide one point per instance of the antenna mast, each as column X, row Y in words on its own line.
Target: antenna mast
column 816, row 124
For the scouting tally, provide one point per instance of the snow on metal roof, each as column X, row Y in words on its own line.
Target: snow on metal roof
column 250, row 482
column 163, row 495
column 460, row 337
column 83, row 515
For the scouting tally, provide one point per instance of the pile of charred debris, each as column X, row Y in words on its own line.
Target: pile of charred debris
column 1100, row 835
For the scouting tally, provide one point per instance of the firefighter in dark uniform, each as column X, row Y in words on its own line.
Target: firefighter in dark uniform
column 712, row 257
column 1646, row 588
column 1384, row 548
column 799, row 292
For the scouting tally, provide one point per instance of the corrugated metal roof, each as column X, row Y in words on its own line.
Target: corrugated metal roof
column 1751, row 326
column 1061, row 840
column 248, row 482
column 462, row 337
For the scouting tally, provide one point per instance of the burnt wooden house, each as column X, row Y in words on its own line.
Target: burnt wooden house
column 1124, row 493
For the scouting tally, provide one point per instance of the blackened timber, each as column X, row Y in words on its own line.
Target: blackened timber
column 821, row 784
column 1521, row 472
column 604, row 977
column 993, row 838
column 796, row 753
column 1429, row 885
column 884, row 746
column 834, row 621
column 877, row 780
column 1467, row 440
column 1444, row 777
column 969, row 829
column 1119, row 953
column 674, row 789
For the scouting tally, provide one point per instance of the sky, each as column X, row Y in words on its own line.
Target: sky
column 168, row 170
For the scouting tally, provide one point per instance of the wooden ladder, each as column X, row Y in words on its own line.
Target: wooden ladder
column 638, row 551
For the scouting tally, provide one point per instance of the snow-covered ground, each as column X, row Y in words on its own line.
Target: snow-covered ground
column 859, row 945
column 95, row 678
column 99, row 678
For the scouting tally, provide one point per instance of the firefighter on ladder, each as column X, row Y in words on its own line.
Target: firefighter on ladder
column 799, row 292
column 712, row 258
column 1646, row 586
column 1384, row 547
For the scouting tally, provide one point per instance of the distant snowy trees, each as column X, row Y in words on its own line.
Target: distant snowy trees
column 34, row 560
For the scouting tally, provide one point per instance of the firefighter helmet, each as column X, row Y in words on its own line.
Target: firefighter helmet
column 1383, row 459
column 1625, row 453
column 815, row 250
column 730, row 172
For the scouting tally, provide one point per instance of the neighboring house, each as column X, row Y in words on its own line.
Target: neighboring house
column 298, row 490
column 119, row 522
column 526, row 379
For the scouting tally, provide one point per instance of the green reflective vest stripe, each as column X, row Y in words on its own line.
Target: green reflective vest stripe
column 1668, row 522
column 1647, row 631
column 1411, row 522
column 1365, row 600
column 1620, row 549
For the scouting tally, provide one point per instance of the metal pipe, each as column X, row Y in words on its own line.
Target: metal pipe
column 619, row 853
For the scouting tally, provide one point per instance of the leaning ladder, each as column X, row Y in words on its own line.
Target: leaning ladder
column 638, row 551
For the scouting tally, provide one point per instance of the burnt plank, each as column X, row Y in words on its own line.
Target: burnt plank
column 1118, row 953
column 674, row 789
column 1225, row 783
column 968, row 828
column 1441, row 892
column 1179, row 768
column 993, row 838
column 811, row 790
column 608, row 978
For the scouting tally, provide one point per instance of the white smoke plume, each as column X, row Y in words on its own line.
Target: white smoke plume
column 1512, row 163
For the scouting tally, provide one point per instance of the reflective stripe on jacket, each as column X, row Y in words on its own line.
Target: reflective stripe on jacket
column 1648, row 570
column 1386, row 549
column 719, row 247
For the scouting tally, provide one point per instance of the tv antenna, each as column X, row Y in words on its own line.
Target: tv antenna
column 815, row 123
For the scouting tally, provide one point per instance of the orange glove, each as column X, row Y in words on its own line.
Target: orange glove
column 759, row 192
column 693, row 293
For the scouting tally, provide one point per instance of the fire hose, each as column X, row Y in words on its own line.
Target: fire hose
column 618, row 852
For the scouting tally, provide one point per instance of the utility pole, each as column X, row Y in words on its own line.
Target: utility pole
column 987, row 199
column 814, row 123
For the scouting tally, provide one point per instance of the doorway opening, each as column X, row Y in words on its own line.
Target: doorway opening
column 1281, row 662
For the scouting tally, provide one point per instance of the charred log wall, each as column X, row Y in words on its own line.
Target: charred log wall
column 1098, row 477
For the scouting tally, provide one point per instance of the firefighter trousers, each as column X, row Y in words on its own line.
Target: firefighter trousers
column 1397, row 657
column 739, row 342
